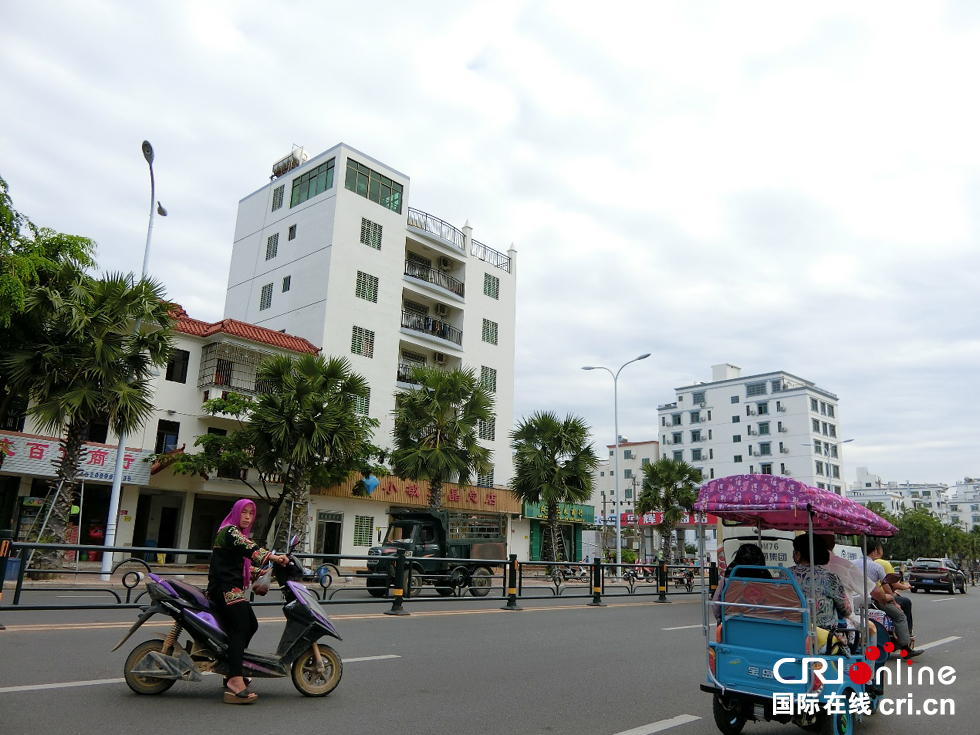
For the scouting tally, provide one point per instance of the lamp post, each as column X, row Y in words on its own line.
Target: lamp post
column 619, row 519
column 110, row 526
column 826, row 453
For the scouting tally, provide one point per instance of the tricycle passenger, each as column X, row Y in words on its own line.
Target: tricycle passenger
column 748, row 555
column 832, row 601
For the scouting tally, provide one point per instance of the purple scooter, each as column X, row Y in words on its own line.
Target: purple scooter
column 154, row 665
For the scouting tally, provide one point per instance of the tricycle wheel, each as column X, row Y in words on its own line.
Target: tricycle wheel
column 480, row 582
column 144, row 684
column 728, row 719
column 309, row 681
column 841, row 723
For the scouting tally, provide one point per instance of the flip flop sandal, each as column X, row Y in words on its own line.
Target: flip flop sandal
column 242, row 697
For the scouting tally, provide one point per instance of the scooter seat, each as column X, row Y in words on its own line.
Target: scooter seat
column 190, row 593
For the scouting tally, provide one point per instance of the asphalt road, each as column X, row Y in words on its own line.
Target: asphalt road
column 556, row 667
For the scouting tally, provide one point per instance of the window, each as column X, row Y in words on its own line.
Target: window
column 277, row 197
column 265, row 299
column 835, row 470
column 489, row 332
column 782, row 468
column 316, row 181
column 167, row 433
column 416, row 308
column 98, row 432
column 737, row 459
column 779, row 426
column 695, row 417
column 712, row 473
column 695, row 455
column 627, row 473
column 272, row 246
column 363, row 525
column 766, row 469
column 367, row 287
column 675, row 419
column 374, row 186
column 223, row 372
column 816, row 425
column 644, row 462
column 763, row 408
column 755, row 389
column 628, row 454
column 362, row 342
column 370, row 233
column 491, row 286
column 709, row 415
column 763, row 427
column 362, row 404
column 956, row 519
column 833, row 451
column 833, row 431
column 286, row 283
column 734, row 399
column 777, row 385
column 825, row 431
column 629, row 493
column 292, row 232
column 487, row 429
column 485, row 480
column 830, row 411
column 677, row 437
column 696, row 435
column 736, row 438
column 678, row 456
column 814, row 404
column 697, row 397
column 736, row 419
column 765, row 448
column 177, row 366
column 217, row 432
column 819, row 467
column 16, row 416
column 711, row 453
column 488, row 378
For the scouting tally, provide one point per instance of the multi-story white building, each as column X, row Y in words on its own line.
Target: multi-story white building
column 633, row 457
column 330, row 250
column 964, row 504
column 899, row 496
column 769, row 423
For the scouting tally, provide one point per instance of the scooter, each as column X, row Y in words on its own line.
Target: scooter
column 154, row 665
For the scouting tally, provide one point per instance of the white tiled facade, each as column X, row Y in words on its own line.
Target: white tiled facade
column 769, row 423
column 632, row 458
column 373, row 280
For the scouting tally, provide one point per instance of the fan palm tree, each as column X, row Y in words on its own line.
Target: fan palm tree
column 436, row 424
column 306, row 428
column 92, row 360
column 554, row 462
column 669, row 487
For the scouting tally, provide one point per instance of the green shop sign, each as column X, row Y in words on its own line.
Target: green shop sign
column 566, row 512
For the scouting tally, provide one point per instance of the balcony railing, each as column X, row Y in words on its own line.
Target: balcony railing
column 430, row 325
column 435, row 226
column 435, row 277
column 405, row 372
column 491, row 256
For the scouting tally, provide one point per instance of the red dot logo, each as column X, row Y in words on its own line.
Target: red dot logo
column 889, row 646
column 872, row 653
column 860, row 673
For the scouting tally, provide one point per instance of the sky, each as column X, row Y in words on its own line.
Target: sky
column 779, row 186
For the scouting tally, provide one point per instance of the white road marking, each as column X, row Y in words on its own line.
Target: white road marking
column 940, row 642
column 944, row 599
column 683, row 627
column 97, row 682
column 76, row 597
column 661, row 725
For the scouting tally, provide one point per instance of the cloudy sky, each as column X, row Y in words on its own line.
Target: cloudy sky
column 769, row 184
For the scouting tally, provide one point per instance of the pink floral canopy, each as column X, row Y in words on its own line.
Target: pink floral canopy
column 783, row 503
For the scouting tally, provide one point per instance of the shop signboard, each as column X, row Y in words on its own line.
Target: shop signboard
column 566, row 512
column 688, row 520
column 28, row 454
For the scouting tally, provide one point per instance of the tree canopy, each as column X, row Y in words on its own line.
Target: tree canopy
column 669, row 487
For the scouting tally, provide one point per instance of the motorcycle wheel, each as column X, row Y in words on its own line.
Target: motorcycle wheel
column 309, row 681
column 144, row 684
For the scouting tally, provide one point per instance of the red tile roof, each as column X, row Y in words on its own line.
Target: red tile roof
column 233, row 327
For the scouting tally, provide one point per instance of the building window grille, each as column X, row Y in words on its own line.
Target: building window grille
column 485, row 479
column 316, row 181
column 488, row 378
column 367, row 287
column 489, row 332
column 487, row 430
column 265, row 299
column 362, row 404
column 755, row 389
column 491, row 286
column 370, row 233
column 363, row 526
column 272, row 246
column 362, row 342
column 277, row 197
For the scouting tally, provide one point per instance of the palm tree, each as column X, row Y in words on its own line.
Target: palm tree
column 91, row 361
column 436, row 424
column 554, row 462
column 306, row 428
column 669, row 487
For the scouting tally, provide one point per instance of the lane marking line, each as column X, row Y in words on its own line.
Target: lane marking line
column 683, row 627
column 661, row 725
column 940, row 642
column 98, row 682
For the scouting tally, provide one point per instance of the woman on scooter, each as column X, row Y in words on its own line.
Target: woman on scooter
column 229, row 576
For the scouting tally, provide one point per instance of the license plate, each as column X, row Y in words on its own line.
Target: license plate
column 928, row 581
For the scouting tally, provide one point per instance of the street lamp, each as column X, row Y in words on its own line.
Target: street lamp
column 110, row 525
column 826, row 453
column 615, row 376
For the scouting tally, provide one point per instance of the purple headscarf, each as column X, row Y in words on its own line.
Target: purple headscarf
column 234, row 518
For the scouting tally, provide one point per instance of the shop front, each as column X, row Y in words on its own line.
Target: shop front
column 571, row 520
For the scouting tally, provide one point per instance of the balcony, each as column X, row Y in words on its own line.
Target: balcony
column 435, row 277
column 405, row 372
column 431, row 326
column 435, row 226
column 230, row 367
column 491, row 256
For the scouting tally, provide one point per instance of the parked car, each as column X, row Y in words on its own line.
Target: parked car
column 937, row 574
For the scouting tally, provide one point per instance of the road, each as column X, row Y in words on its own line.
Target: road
column 448, row 668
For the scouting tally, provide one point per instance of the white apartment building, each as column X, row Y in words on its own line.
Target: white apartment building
column 330, row 250
column 964, row 504
column 899, row 496
column 633, row 456
column 769, row 423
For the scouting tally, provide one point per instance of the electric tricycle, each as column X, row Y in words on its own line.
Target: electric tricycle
column 767, row 659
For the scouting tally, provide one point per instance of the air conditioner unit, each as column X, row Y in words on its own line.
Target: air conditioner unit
column 438, row 358
column 445, row 263
column 703, row 405
column 781, row 408
column 442, row 309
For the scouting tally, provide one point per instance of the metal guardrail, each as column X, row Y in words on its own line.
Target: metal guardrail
column 432, row 325
column 435, row 226
column 491, row 256
column 435, row 277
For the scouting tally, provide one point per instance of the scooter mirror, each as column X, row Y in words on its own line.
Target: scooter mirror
column 293, row 542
